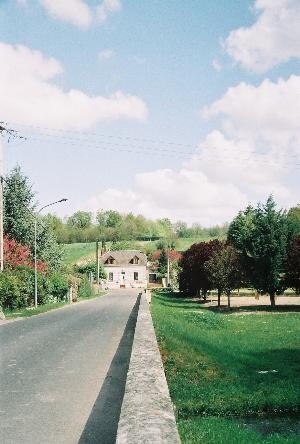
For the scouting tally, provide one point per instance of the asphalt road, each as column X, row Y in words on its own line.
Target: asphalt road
column 63, row 373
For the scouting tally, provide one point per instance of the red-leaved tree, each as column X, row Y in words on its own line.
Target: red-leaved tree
column 16, row 255
column 292, row 276
column 193, row 277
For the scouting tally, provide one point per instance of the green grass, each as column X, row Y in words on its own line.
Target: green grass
column 86, row 251
column 212, row 362
column 224, row 431
column 28, row 312
column 79, row 252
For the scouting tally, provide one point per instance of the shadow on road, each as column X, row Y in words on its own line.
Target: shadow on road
column 102, row 424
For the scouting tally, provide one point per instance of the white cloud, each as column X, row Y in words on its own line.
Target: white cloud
column 76, row 12
column 105, row 54
column 274, row 37
column 251, row 156
column 30, row 96
column 217, row 65
column 107, row 7
column 270, row 111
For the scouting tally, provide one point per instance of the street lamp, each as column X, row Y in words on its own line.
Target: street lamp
column 35, row 247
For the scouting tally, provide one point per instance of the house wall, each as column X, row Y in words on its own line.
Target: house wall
column 128, row 280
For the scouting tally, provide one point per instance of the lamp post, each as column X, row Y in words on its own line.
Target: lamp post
column 35, row 247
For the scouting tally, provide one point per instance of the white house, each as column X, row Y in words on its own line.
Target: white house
column 125, row 269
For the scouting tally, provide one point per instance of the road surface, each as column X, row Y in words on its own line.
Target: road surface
column 63, row 373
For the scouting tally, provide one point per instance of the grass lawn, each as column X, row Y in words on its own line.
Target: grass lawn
column 86, row 250
column 27, row 312
column 79, row 251
column 233, row 378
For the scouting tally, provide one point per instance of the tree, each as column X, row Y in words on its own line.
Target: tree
column 292, row 276
column 224, row 271
column 294, row 218
column 19, row 206
column 163, row 263
column 16, row 255
column 262, row 235
column 80, row 220
column 193, row 276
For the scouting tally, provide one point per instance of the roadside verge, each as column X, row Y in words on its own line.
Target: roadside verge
column 147, row 413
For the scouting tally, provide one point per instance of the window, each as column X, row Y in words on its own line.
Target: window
column 135, row 276
column 110, row 276
column 135, row 260
column 110, row 260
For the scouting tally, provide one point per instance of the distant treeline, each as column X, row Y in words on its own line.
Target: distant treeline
column 84, row 226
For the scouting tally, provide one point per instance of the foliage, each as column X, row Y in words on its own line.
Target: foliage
column 58, row 286
column 123, row 245
column 225, row 271
column 18, row 207
column 17, row 287
column 262, row 235
column 292, row 277
column 163, row 263
column 85, row 289
column 216, row 363
column 16, row 255
column 80, row 219
column 294, row 217
column 91, row 267
column 194, row 276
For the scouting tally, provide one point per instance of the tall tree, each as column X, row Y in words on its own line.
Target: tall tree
column 80, row 220
column 19, row 206
column 292, row 276
column 193, row 276
column 263, row 235
column 225, row 272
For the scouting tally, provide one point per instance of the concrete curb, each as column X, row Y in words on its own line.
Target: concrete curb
column 147, row 414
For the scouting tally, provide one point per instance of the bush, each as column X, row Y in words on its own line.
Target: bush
column 17, row 288
column 91, row 267
column 57, row 286
column 85, row 289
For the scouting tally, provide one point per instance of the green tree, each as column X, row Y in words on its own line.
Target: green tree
column 18, row 207
column 294, row 218
column 80, row 220
column 263, row 235
column 163, row 263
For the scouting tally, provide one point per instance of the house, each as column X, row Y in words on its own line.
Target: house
column 125, row 269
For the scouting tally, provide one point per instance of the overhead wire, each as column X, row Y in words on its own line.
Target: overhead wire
column 70, row 140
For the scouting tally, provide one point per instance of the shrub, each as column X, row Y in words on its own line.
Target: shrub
column 91, row 267
column 85, row 289
column 57, row 286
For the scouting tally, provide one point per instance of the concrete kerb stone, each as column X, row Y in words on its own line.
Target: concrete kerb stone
column 147, row 414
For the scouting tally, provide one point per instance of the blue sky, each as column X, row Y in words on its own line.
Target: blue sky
column 160, row 108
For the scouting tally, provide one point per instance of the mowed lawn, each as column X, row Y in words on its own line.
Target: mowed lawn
column 234, row 378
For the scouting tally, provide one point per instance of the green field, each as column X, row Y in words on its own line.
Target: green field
column 79, row 252
column 233, row 378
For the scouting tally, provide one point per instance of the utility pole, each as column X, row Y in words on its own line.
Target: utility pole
column 1, row 207
column 97, row 262
column 11, row 134
column 168, row 266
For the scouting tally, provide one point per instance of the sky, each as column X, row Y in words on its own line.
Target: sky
column 187, row 110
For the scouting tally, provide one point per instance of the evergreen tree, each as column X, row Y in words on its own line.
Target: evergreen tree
column 263, row 235
column 18, row 207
